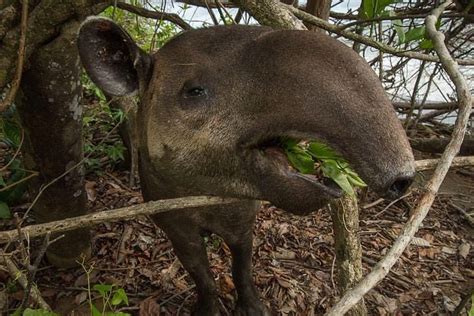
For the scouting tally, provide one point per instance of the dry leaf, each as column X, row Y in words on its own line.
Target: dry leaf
column 448, row 250
column 283, row 253
column 91, row 190
column 149, row 307
column 464, row 249
column 420, row 242
column 226, row 284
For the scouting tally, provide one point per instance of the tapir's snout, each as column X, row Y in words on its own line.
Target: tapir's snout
column 400, row 185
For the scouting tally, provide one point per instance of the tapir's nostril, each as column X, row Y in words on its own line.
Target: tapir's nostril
column 399, row 186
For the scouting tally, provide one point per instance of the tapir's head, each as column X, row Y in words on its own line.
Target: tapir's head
column 216, row 101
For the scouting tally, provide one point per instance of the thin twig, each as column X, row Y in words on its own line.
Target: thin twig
column 157, row 15
column 468, row 217
column 16, row 274
column 32, row 269
column 28, row 177
column 382, row 268
column 391, row 203
column 21, row 59
column 365, row 40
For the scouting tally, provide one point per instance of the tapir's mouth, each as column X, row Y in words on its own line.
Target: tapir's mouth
column 273, row 152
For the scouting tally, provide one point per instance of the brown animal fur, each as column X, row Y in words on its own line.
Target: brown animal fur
column 212, row 98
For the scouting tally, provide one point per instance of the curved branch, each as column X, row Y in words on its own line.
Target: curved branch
column 21, row 59
column 464, row 98
column 157, row 15
column 365, row 40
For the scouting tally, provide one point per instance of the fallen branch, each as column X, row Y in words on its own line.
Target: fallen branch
column 306, row 17
column 32, row 269
column 382, row 268
column 125, row 213
column 437, row 145
column 468, row 217
column 426, row 106
column 16, row 274
column 208, row 3
column 20, row 61
column 428, row 164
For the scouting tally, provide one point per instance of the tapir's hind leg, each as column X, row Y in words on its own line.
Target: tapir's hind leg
column 191, row 251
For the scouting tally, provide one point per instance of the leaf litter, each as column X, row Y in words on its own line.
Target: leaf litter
column 293, row 261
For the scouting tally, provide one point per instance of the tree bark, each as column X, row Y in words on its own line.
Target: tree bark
column 44, row 21
column 319, row 8
column 271, row 13
column 345, row 221
column 51, row 114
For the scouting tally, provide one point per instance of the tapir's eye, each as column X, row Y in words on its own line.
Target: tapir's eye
column 195, row 92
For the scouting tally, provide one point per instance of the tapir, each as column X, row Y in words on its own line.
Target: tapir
column 215, row 105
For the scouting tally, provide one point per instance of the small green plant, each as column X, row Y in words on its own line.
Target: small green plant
column 38, row 312
column 112, row 297
column 98, row 121
column 12, row 174
column 317, row 158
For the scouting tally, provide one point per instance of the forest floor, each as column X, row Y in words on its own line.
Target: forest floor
column 293, row 258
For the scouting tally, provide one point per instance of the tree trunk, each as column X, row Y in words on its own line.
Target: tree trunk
column 51, row 114
column 345, row 220
column 320, row 9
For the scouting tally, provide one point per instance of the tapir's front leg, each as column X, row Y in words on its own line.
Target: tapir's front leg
column 191, row 251
column 248, row 302
column 237, row 231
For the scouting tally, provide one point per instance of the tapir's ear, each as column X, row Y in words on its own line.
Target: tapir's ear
column 111, row 58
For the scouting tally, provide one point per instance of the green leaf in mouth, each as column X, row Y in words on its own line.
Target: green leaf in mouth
column 315, row 157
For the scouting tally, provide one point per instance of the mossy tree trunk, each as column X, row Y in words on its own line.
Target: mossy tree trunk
column 51, row 114
column 345, row 221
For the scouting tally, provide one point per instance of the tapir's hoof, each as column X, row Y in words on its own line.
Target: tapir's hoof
column 206, row 308
column 251, row 308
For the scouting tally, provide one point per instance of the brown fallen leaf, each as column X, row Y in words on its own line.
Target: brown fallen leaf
column 464, row 249
column 149, row 307
column 91, row 191
column 226, row 284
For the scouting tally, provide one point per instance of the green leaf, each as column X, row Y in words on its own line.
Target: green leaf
column 117, row 314
column 301, row 161
column 103, row 289
column 374, row 8
column 38, row 312
column 2, row 181
column 322, row 151
column 95, row 311
column 426, row 44
column 415, row 34
column 4, row 211
column 331, row 170
column 398, row 25
column 119, row 297
column 12, row 132
column 354, row 178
